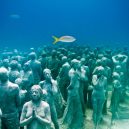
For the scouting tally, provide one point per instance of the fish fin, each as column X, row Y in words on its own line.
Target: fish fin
column 56, row 39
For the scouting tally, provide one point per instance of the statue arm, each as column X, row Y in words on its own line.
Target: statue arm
column 72, row 80
column 59, row 92
column 126, row 58
column 17, row 98
column 47, row 118
column 40, row 69
column 95, row 70
column 105, row 84
column 0, row 113
column 41, row 84
column 61, row 71
column 31, row 78
column 23, row 120
column 87, row 71
column 110, row 72
column 94, row 80
column 83, row 76
column 114, row 59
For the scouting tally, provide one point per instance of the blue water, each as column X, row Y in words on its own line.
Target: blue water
column 92, row 22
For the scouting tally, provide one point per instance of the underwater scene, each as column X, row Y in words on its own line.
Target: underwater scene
column 64, row 64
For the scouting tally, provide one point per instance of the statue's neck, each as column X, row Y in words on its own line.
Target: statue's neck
column 36, row 103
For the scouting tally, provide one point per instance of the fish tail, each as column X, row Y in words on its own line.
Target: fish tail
column 55, row 39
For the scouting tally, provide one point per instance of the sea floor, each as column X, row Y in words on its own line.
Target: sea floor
column 120, row 123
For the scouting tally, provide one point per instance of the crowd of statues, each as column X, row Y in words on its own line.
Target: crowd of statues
column 39, row 87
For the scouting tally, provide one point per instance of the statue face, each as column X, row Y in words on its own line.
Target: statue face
column 100, row 72
column 35, row 94
column 76, row 65
column 47, row 75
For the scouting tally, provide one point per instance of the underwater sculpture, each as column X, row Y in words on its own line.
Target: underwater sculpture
column 36, row 113
column 11, row 102
column 98, row 96
column 49, row 86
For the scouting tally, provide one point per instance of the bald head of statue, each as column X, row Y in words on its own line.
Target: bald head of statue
column 4, row 75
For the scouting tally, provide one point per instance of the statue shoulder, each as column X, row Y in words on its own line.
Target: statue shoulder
column 71, row 71
column 13, row 85
column 27, row 104
column 54, row 82
column 45, row 104
column 41, row 83
column 38, row 62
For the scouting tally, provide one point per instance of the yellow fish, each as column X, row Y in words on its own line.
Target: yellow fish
column 63, row 39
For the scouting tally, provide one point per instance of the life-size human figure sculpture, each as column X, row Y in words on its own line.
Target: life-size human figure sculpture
column 53, row 64
column 28, row 79
column 48, row 85
column 27, row 74
column 43, row 60
column 23, row 95
column 9, row 101
column 36, row 113
column 118, row 70
column 98, row 95
column 107, row 74
column 73, row 114
column 14, row 71
column 36, row 67
column 122, row 60
column 84, row 81
column 115, row 99
column 63, row 77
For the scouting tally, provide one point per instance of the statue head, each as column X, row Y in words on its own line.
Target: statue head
column 104, row 61
column 100, row 71
column 26, row 66
column 64, row 59
column 75, row 63
column 118, row 68
column 5, row 63
column 32, row 56
column 98, row 62
column 47, row 74
column 36, row 93
column 115, row 76
column 4, row 75
column 83, row 61
column 14, row 64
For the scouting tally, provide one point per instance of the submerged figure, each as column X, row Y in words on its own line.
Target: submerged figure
column 35, row 66
column 36, row 113
column 63, row 78
column 48, row 85
column 98, row 95
column 9, row 101
column 28, row 75
column 122, row 60
column 84, row 81
column 53, row 64
column 115, row 97
column 107, row 74
column 14, row 71
column 73, row 114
